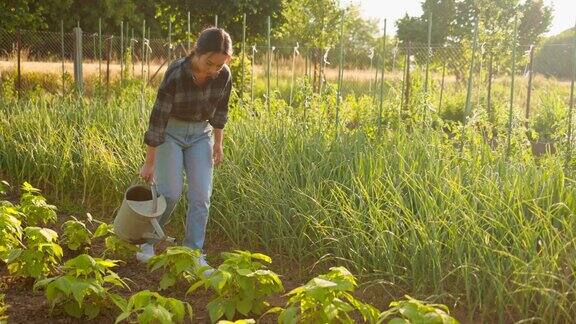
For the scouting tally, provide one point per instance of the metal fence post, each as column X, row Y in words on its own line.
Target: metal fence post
column 142, row 53
column 429, row 53
column 442, row 88
column 188, row 32
column 276, row 56
column 269, row 67
column 513, row 73
column 121, row 52
column 243, row 57
column 169, row 41
column 216, row 21
column 142, row 58
column 147, row 56
column 18, row 50
column 108, row 58
column 340, row 76
column 383, row 63
column 471, row 72
column 489, row 90
column 407, row 80
column 529, row 90
column 571, row 109
column 132, row 53
column 62, row 48
column 100, row 50
column 78, row 59
column 294, row 53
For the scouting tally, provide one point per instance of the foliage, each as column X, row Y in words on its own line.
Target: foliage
column 555, row 57
column 241, row 284
column 81, row 290
column 325, row 299
column 40, row 256
column 3, row 308
column 150, row 307
column 415, row 311
column 10, row 229
column 119, row 248
column 180, row 261
column 34, row 208
column 549, row 122
column 75, row 234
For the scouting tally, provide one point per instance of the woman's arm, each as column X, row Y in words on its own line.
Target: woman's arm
column 147, row 171
column 218, row 152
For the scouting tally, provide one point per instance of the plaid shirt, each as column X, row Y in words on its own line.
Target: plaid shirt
column 179, row 97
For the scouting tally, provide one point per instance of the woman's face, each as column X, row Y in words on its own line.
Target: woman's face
column 209, row 64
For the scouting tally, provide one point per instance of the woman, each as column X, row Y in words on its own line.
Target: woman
column 185, row 133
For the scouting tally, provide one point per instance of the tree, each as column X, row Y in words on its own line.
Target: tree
column 453, row 25
column 30, row 14
column 555, row 58
column 452, row 21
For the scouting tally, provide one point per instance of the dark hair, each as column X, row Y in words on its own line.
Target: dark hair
column 213, row 40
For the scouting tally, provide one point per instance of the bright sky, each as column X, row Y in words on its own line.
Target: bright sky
column 564, row 11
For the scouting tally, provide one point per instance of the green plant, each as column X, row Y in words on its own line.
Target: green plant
column 415, row 311
column 81, row 290
column 75, row 234
column 4, row 186
column 325, row 299
column 151, row 307
column 39, row 257
column 241, row 321
column 180, row 261
column 119, row 248
column 241, row 284
column 10, row 229
column 549, row 123
column 3, row 309
column 34, row 207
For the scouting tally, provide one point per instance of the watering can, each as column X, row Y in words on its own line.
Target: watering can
column 137, row 218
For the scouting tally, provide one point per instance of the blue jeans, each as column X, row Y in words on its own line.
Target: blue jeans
column 188, row 148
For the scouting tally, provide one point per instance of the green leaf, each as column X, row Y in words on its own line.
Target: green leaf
column 91, row 310
column 122, row 317
column 244, row 306
column 195, row 286
column 155, row 313
column 244, row 272
column 229, row 309
column 119, row 301
column 288, row 316
column 262, row 257
column 101, row 230
column 73, row 309
column 167, row 281
column 215, row 310
column 322, row 283
column 4, row 187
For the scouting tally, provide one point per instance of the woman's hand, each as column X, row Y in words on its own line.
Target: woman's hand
column 147, row 172
column 217, row 153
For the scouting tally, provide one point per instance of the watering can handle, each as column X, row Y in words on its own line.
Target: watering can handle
column 154, row 196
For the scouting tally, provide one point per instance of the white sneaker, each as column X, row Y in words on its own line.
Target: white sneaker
column 202, row 263
column 146, row 252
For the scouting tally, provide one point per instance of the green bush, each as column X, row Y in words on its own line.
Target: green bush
column 81, row 291
column 151, row 307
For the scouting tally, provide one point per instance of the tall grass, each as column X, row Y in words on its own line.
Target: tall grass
column 409, row 207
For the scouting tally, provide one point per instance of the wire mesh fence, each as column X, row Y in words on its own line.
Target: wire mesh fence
column 442, row 71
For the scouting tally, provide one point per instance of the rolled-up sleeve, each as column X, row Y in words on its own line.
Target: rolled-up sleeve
column 220, row 117
column 155, row 134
